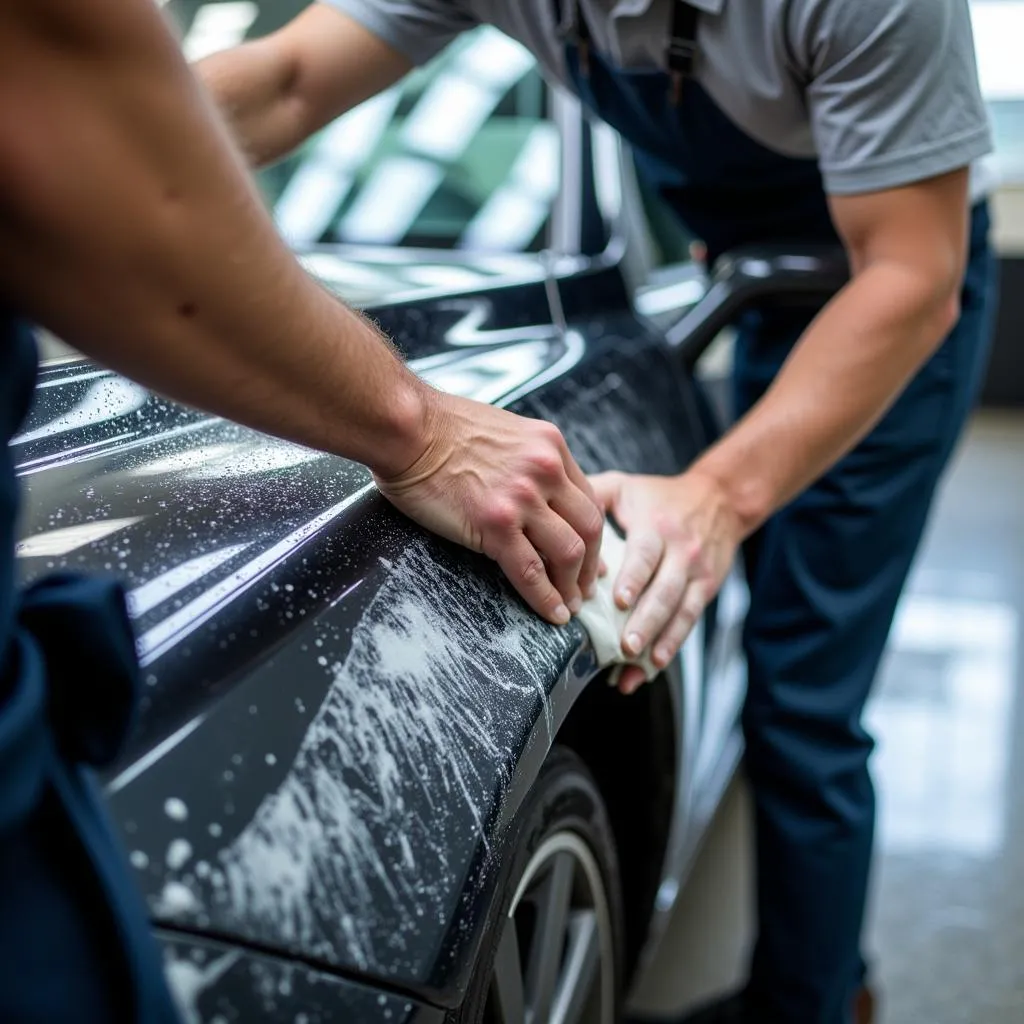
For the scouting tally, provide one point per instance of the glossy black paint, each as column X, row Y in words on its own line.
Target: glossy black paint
column 232, row 986
column 340, row 713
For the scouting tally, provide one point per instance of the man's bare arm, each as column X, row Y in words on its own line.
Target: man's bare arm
column 279, row 90
column 907, row 248
column 129, row 225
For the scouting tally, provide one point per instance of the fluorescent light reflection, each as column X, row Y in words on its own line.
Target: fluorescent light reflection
column 516, row 211
column 391, row 200
column 217, row 27
column 167, row 584
column 56, row 543
column 106, row 400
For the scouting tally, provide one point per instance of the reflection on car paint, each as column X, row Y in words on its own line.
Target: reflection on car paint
column 105, row 400
column 163, row 587
column 64, row 540
column 160, row 638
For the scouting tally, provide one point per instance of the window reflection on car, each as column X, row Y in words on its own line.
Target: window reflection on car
column 461, row 155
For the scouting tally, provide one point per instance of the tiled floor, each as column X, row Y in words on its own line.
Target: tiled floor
column 947, row 916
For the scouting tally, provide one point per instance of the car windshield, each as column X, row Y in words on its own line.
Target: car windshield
column 461, row 155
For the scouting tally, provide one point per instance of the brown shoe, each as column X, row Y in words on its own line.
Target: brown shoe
column 864, row 1006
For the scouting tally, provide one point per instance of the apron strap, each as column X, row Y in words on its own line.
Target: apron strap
column 681, row 53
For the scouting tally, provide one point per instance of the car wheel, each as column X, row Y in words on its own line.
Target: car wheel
column 553, row 953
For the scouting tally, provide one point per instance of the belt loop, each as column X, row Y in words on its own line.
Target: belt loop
column 681, row 54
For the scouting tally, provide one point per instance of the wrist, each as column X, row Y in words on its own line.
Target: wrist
column 409, row 425
column 746, row 493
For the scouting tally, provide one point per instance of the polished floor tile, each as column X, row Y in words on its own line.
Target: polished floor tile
column 947, row 923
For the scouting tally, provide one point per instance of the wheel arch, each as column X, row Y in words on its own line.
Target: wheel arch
column 629, row 744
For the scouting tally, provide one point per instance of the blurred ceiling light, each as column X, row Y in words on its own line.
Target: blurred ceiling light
column 516, row 211
column 55, row 543
column 491, row 57
column 390, row 201
column 309, row 202
column 998, row 32
column 106, row 400
column 315, row 192
column 217, row 27
column 607, row 169
column 456, row 104
column 448, row 116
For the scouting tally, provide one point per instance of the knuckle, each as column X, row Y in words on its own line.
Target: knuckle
column 573, row 552
column 533, row 572
column 501, row 515
column 547, row 464
column 524, row 491
column 550, row 433
column 593, row 527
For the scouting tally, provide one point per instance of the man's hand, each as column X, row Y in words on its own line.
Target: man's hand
column 681, row 538
column 508, row 487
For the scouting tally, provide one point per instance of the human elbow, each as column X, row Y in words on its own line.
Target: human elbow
column 941, row 306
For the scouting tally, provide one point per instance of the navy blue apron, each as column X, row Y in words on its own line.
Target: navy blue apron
column 826, row 572
column 75, row 945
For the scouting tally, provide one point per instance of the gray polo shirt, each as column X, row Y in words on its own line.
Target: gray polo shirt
column 883, row 92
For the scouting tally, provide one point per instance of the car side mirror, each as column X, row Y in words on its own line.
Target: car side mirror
column 745, row 276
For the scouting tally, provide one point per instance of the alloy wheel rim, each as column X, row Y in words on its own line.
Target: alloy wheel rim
column 555, row 962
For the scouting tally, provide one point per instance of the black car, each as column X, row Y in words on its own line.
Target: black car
column 367, row 784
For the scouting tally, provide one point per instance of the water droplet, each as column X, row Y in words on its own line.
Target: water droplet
column 270, row 759
column 214, row 829
column 178, row 853
column 139, row 860
column 176, row 809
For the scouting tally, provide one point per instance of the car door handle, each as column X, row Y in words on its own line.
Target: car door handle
column 745, row 276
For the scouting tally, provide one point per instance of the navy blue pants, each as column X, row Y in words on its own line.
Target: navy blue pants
column 825, row 574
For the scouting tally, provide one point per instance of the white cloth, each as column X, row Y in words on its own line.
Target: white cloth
column 602, row 618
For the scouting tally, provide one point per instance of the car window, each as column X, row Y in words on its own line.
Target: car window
column 461, row 155
column 669, row 239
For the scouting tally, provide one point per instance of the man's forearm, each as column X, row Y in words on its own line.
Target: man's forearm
column 279, row 90
column 839, row 381
column 254, row 87
column 129, row 225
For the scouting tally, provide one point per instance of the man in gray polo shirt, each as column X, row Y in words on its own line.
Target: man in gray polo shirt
column 758, row 121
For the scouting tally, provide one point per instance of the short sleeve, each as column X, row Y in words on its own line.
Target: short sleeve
column 419, row 29
column 892, row 90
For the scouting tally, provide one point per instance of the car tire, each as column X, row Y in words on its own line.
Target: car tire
column 553, row 950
